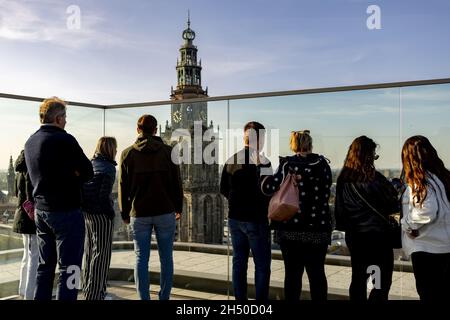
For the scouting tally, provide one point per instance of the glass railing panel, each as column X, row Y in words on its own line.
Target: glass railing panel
column 426, row 111
column 122, row 124
column 86, row 125
column 192, row 129
column 200, row 175
column 334, row 119
column 20, row 119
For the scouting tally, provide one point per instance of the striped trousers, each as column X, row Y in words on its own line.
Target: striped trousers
column 97, row 255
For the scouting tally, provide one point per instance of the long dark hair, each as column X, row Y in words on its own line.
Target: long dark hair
column 359, row 162
column 418, row 158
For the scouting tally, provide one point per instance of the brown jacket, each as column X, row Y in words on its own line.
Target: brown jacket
column 149, row 182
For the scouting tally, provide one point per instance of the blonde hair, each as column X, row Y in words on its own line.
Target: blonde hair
column 50, row 109
column 300, row 141
column 107, row 147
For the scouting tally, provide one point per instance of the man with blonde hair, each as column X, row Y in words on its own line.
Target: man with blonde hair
column 57, row 167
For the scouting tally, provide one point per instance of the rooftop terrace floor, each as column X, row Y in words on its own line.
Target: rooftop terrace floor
column 215, row 266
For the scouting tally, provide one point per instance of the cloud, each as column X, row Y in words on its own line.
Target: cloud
column 235, row 61
column 356, row 110
column 226, row 68
column 24, row 21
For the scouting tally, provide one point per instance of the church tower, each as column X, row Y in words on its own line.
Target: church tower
column 202, row 220
column 189, row 85
column 11, row 178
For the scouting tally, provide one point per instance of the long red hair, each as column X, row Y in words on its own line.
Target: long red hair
column 359, row 163
column 418, row 158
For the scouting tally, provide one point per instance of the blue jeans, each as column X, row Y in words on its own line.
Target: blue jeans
column 60, row 238
column 254, row 236
column 141, row 229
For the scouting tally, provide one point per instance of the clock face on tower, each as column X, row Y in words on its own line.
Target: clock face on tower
column 177, row 116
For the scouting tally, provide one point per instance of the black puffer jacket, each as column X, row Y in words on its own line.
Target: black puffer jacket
column 24, row 190
column 355, row 216
column 97, row 192
column 314, row 192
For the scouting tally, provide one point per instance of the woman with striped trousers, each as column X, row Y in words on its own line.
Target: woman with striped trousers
column 99, row 219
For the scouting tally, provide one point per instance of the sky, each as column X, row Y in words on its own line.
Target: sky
column 126, row 51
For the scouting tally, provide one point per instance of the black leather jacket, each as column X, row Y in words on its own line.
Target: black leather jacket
column 353, row 215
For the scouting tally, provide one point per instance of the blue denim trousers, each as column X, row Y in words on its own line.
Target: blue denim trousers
column 141, row 229
column 254, row 236
column 60, row 238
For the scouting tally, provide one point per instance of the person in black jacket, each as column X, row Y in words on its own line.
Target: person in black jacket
column 57, row 167
column 99, row 215
column 150, row 197
column 304, row 239
column 247, row 216
column 24, row 225
column 364, row 201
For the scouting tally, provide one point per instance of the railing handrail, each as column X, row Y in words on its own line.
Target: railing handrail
column 39, row 99
column 246, row 95
column 286, row 93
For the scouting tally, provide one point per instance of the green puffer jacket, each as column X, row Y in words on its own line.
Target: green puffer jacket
column 149, row 182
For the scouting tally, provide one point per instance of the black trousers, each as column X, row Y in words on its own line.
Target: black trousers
column 370, row 251
column 297, row 256
column 432, row 273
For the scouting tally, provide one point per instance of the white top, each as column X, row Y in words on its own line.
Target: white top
column 432, row 219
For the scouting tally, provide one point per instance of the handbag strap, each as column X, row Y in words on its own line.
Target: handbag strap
column 368, row 204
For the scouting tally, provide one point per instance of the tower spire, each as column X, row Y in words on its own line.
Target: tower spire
column 11, row 178
column 189, row 19
column 189, row 79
